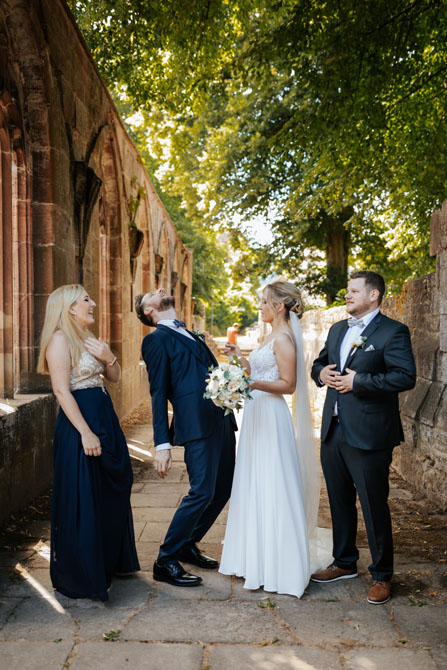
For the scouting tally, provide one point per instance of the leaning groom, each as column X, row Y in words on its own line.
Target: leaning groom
column 366, row 361
column 177, row 362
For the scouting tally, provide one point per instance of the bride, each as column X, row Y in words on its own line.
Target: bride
column 271, row 537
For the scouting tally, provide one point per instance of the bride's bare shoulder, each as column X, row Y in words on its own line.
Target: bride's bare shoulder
column 284, row 339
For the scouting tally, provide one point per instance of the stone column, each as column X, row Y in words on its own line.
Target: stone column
column 438, row 248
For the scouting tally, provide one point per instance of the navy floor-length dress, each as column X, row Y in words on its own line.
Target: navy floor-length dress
column 92, row 535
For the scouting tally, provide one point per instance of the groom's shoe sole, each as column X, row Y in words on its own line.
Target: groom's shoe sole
column 332, row 574
column 176, row 583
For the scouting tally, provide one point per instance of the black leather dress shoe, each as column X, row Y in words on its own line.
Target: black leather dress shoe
column 173, row 573
column 195, row 556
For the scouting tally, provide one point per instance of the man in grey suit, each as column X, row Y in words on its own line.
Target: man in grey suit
column 366, row 361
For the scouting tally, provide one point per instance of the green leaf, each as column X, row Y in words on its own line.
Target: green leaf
column 266, row 603
column 111, row 636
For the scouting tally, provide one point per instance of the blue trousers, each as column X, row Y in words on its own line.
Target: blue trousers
column 210, row 466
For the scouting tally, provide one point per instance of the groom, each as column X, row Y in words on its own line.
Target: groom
column 366, row 361
column 177, row 362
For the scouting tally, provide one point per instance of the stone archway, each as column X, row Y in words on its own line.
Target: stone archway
column 111, row 272
column 147, row 274
column 6, row 274
column 185, row 299
column 175, row 273
column 162, row 278
column 16, row 323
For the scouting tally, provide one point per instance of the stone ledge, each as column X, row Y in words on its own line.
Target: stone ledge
column 12, row 405
column 26, row 454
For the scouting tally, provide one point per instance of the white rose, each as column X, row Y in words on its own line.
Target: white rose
column 235, row 372
column 213, row 386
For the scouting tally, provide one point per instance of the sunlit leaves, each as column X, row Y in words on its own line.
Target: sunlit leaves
column 291, row 109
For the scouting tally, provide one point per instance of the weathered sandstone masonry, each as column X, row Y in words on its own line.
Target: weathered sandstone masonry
column 69, row 180
column 422, row 305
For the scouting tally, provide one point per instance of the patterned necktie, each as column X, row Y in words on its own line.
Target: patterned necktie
column 179, row 324
column 352, row 321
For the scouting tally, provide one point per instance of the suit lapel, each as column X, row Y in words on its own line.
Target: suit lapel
column 339, row 340
column 203, row 345
column 199, row 352
column 370, row 328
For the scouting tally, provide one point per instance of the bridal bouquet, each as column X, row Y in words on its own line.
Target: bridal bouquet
column 228, row 385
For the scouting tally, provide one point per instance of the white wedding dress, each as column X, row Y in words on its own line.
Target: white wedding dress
column 272, row 514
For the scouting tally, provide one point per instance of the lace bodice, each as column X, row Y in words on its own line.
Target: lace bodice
column 263, row 364
column 87, row 373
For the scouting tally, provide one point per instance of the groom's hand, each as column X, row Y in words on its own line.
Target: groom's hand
column 329, row 375
column 345, row 383
column 162, row 462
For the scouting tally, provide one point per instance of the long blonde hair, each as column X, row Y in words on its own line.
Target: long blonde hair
column 286, row 292
column 58, row 317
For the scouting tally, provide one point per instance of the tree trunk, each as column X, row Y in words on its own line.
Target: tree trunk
column 338, row 240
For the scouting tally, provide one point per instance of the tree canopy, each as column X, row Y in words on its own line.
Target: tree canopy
column 326, row 118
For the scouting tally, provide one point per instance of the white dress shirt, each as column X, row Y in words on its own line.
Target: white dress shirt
column 351, row 335
column 179, row 329
column 170, row 324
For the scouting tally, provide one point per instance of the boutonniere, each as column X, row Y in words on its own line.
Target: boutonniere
column 359, row 343
column 199, row 333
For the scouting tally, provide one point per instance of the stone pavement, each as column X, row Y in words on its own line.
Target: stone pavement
column 155, row 626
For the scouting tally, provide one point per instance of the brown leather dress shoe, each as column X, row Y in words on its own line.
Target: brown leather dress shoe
column 332, row 574
column 379, row 593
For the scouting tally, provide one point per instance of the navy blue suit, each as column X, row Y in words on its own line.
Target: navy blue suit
column 177, row 368
column 356, row 453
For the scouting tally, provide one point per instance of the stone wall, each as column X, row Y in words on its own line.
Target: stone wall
column 422, row 458
column 68, row 171
column 26, row 458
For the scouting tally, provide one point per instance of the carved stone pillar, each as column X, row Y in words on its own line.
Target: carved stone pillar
column 438, row 248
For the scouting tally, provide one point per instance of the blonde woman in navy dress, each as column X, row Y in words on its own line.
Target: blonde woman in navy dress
column 92, row 535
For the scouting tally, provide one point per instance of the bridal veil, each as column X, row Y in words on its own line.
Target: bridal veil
column 320, row 539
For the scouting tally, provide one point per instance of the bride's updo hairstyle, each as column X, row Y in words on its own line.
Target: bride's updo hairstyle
column 286, row 292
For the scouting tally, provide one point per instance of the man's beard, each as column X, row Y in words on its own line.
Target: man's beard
column 149, row 321
column 167, row 302
column 362, row 308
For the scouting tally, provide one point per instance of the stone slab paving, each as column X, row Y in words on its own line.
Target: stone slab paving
column 389, row 659
column 36, row 619
column 218, row 625
column 137, row 656
column 272, row 658
column 422, row 626
column 187, row 620
column 31, row 655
